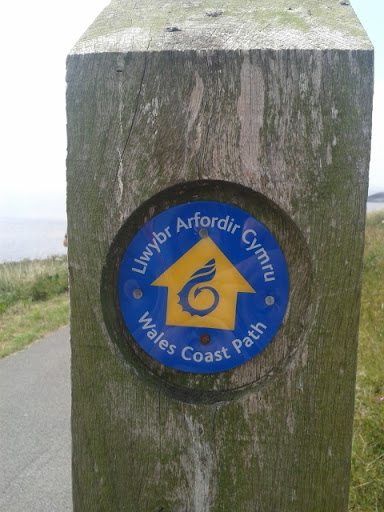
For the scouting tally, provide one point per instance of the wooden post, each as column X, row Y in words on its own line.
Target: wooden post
column 264, row 106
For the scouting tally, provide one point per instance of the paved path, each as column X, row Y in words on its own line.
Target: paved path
column 35, row 439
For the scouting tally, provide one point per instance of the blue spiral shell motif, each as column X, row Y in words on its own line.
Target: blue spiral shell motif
column 204, row 274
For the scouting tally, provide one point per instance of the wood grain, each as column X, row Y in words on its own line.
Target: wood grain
column 282, row 132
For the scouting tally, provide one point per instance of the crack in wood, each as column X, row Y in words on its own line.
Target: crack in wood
column 121, row 155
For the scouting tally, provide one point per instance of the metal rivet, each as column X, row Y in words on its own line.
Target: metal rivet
column 203, row 232
column 269, row 300
column 137, row 293
column 205, row 339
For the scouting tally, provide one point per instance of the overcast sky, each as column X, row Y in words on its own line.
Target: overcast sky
column 35, row 39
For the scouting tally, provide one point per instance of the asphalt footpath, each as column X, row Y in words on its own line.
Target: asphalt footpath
column 35, row 438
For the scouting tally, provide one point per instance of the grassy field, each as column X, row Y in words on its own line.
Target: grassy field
column 34, row 301
column 367, row 481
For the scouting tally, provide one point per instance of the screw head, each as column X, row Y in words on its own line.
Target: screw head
column 205, row 339
column 203, row 232
column 137, row 293
column 269, row 300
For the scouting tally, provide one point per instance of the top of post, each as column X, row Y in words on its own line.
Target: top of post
column 148, row 25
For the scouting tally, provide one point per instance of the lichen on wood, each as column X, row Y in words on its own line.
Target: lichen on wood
column 275, row 103
column 126, row 25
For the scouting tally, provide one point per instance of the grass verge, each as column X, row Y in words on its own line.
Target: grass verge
column 33, row 301
column 24, row 323
column 367, row 478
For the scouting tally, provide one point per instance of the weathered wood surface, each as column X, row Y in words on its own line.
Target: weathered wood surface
column 126, row 25
column 253, row 98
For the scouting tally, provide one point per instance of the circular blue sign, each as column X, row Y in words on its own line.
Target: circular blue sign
column 203, row 287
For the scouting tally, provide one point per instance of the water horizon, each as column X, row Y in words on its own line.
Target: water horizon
column 39, row 238
column 31, row 238
column 373, row 206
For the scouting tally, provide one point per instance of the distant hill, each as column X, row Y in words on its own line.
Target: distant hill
column 376, row 198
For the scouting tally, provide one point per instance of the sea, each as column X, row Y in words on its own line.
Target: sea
column 373, row 207
column 31, row 238
column 40, row 238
